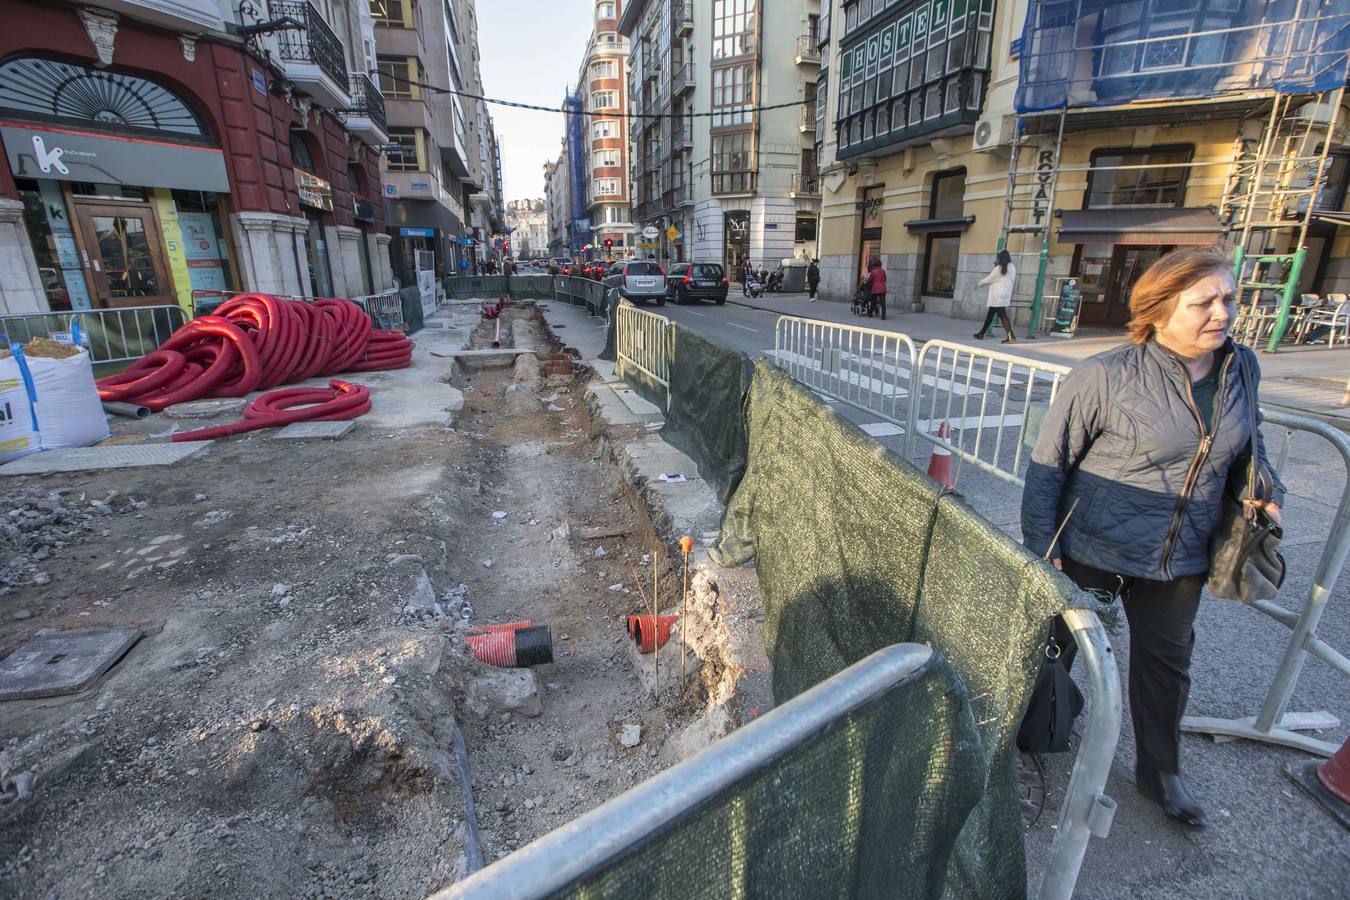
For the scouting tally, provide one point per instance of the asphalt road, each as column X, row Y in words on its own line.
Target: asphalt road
column 1266, row 837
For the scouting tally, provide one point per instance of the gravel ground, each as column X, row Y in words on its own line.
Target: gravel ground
column 285, row 726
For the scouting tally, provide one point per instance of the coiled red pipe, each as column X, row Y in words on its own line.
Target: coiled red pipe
column 257, row 341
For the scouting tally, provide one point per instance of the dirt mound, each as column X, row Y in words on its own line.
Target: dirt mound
column 40, row 346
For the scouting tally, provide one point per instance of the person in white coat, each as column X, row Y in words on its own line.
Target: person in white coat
column 1000, row 283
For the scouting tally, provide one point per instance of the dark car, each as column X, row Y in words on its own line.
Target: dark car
column 697, row 281
column 638, row 280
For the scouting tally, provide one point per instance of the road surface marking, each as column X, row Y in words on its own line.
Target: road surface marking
column 699, row 314
column 743, row 328
column 882, row 429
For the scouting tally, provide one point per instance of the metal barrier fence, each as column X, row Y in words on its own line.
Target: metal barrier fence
column 385, row 309
column 1273, row 724
column 863, row 367
column 644, row 342
column 874, row 371
column 573, row 859
column 112, row 335
column 996, row 391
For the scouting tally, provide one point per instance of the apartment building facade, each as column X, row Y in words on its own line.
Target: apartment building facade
column 917, row 108
column 727, row 171
column 527, row 224
column 603, row 89
column 157, row 153
column 440, row 164
column 556, row 204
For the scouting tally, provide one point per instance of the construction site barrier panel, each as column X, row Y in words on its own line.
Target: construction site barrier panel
column 855, row 788
column 863, row 367
column 856, row 549
column 644, row 350
column 1273, row 723
column 112, row 335
column 471, row 287
column 981, row 396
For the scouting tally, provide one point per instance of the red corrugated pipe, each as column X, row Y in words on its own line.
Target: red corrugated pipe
column 645, row 633
column 513, row 645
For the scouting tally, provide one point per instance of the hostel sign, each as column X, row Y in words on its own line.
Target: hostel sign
column 313, row 190
column 1045, row 177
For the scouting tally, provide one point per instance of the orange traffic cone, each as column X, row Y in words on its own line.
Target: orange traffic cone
column 940, row 464
column 1328, row 783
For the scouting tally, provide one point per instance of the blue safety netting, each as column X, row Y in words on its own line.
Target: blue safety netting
column 1105, row 52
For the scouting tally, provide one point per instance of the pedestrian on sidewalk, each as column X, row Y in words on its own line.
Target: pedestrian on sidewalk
column 1132, row 463
column 876, row 288
column 1000, row 282
column 813, row 278
column 745, row 275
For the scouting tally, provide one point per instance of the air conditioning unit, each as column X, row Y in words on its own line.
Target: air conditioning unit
column 993, row 134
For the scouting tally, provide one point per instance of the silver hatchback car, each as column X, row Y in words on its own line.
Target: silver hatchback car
column 638, row 280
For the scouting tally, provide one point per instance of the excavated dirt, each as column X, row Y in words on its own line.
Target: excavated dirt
column 285, row 726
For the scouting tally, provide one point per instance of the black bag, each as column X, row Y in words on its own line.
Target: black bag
column 1245, row 562
column 1055, row 702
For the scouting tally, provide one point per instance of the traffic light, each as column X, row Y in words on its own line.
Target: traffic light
column 609, row 243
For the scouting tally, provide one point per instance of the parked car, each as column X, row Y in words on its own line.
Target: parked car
column 638, row 280
column 697, row 281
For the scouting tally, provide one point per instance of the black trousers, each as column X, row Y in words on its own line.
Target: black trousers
column 1002, row 313
column 1162, row 635
column 811, row 287
column 877, row 302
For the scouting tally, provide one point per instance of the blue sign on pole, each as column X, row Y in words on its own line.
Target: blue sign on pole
column 417, row 232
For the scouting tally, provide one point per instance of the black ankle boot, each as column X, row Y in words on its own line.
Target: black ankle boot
column 1168, row 791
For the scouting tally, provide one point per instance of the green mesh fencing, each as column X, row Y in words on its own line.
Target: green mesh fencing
column 410, row 302
column 469, row 287
column 531, row 287
column 858, row 789
column 706, row 419
column 856, row 549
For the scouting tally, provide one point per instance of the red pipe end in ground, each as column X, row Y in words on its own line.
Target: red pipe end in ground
column 648, row 635
column 513, row 645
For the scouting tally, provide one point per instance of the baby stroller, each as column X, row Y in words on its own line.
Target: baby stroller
column 861, row 301
column 754, row 287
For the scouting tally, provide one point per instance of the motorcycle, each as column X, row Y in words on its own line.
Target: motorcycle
column 753, row 287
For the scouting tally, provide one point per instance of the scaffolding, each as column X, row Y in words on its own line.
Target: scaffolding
column 1279, row 67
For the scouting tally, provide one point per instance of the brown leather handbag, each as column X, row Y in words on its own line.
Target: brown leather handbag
column 1245, row 562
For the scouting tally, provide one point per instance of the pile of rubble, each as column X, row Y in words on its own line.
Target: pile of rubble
column 39, row 524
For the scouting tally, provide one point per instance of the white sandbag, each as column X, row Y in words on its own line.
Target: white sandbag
column 17, row 436
column 69, row 412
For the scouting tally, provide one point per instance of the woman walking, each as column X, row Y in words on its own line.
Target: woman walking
column 1000, row 283
column 876, row 288
column 1132, row 460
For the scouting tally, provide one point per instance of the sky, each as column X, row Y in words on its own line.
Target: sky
column 531, row 52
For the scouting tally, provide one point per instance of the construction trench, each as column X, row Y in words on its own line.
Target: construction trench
column 287, row 723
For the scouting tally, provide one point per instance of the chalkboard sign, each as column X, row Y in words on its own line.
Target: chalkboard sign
column 1066, row 308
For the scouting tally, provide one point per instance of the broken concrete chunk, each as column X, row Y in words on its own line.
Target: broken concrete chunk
column 507, row 690
column 423, row 596
column 630, row 735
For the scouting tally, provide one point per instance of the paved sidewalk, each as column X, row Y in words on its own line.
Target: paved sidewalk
column 1309, row 381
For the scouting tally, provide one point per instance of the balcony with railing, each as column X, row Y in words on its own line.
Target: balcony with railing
column 314, row 58
column 680, row 195
column 808, row 49
column 365, row 117
column 808, row 119
column 805, row 184
column 683, row 80
column 682, row 138
column 683, row 15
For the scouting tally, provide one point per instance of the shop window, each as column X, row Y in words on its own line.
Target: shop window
column 939, row 274
column 1163, row 184
column 53, row 245
column 946, row 201
column 405, row 150
column 203, row 240
column 104, row 191
column 397, row 74
column 31, row 87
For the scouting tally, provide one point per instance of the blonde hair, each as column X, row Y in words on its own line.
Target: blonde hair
column 1155, row 294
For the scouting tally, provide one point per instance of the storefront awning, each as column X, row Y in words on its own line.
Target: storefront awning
column 1140, row 226
column 930, row 226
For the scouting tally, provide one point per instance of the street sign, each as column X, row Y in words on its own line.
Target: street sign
column 650, row 232
column 647, row 246
column 672, row 233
